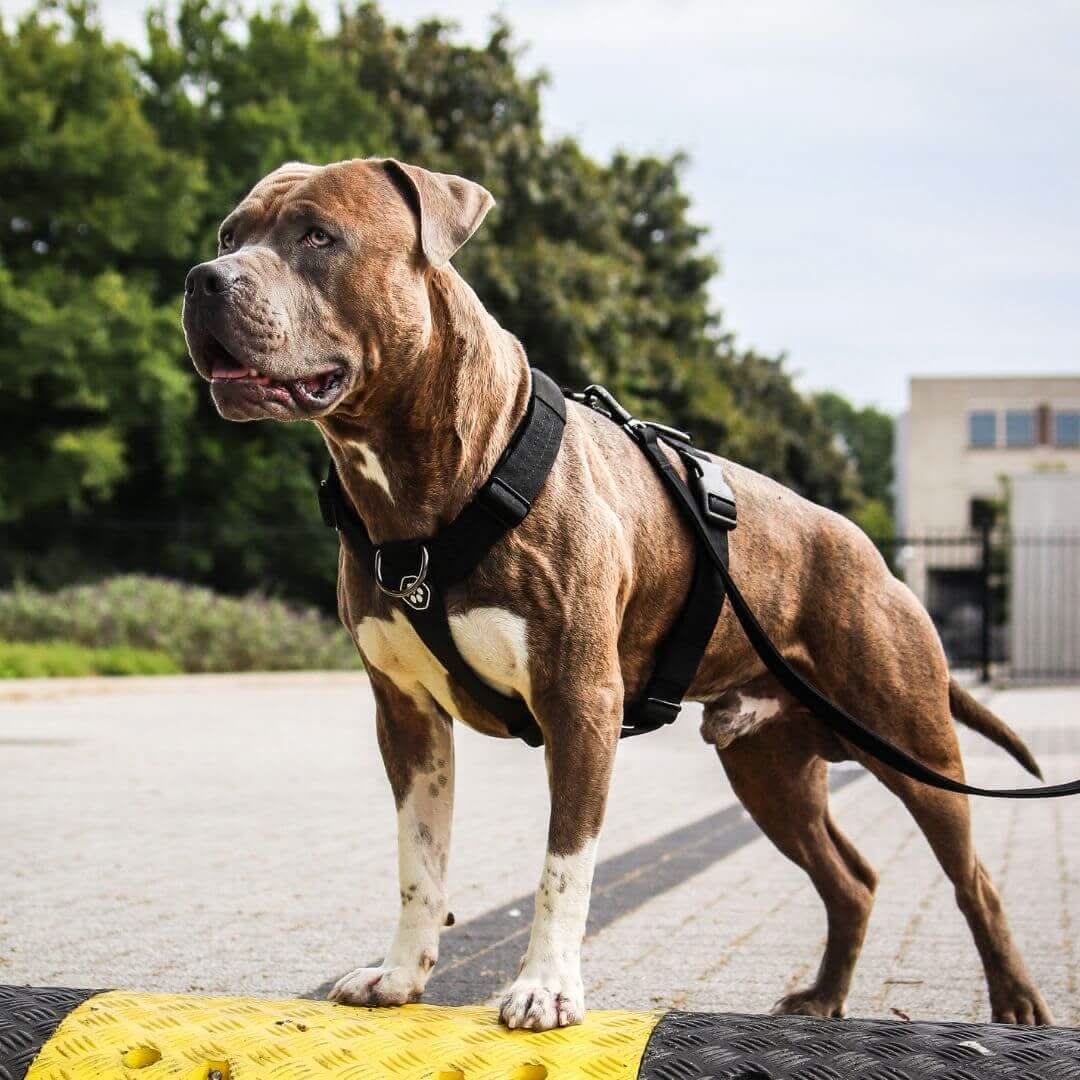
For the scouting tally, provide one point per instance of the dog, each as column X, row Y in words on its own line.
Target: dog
column 332, row 299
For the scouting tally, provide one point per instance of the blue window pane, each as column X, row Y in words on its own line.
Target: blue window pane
column 1067, row 428
column 1019, row 427
column 982, row 428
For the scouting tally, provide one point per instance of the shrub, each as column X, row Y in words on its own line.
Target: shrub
column 20, row 660
column 199, row 630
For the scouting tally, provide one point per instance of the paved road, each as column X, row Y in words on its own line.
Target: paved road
column 236, row 834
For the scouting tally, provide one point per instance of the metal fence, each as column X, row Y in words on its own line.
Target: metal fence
column 1005, row 605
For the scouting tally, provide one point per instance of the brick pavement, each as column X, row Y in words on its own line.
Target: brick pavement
column 235, row 834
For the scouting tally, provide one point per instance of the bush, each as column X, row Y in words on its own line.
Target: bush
column 19, row 660
column 197, row 629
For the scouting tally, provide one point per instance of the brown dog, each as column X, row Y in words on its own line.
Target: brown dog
column 332, row 300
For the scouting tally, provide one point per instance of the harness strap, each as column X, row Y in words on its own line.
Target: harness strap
column 680, row 653
column 419, row 572
column 842, row 722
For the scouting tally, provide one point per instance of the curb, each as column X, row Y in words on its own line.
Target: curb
column 62, row 1034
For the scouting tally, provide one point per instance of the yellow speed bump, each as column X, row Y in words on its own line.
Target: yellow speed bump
column 138, row 1036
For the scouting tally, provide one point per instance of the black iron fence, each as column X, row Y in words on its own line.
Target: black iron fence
column 1005, row 606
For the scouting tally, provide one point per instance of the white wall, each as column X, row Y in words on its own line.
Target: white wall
column 1044, row 517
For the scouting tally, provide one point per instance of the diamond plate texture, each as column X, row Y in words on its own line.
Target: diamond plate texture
column 153, row 1036
column 698, row 1046
column 28, row 1017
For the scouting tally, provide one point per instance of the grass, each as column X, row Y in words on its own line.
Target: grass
column 194, row 628
column 64, row 659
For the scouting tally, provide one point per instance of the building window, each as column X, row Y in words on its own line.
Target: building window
column 1067, row 428
column 1019, row 427
column 982, row 428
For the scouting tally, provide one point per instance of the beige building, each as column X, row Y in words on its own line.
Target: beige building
column 961, row 436
column 958, row 446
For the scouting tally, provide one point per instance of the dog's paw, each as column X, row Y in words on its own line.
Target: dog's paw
column 1024, row 1005
column 543, row 1004
column 810, row 1002
column 378, row 986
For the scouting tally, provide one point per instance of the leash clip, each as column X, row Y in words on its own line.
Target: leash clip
column 601, row 399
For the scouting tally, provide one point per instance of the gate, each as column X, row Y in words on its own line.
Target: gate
column 1004, row 604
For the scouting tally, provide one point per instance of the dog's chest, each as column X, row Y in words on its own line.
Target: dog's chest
column 493, row 641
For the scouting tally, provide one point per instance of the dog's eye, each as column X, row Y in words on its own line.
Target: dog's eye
column 317, row 238
column 226, row 240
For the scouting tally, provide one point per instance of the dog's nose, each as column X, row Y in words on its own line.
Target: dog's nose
column 211, row 278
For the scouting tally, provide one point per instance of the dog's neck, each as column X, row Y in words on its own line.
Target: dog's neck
column 417, row 440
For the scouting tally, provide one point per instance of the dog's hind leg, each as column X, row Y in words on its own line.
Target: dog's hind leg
column 945, row 819
column 781, row 779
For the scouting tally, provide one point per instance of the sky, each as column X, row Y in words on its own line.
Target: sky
column 892, row 188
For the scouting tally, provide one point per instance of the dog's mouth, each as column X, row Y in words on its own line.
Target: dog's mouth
column 234, row 380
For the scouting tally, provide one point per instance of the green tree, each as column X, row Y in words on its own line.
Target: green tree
column 868, row 435
column 115, row 168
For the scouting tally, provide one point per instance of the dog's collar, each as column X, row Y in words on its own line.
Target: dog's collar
column 501, row 503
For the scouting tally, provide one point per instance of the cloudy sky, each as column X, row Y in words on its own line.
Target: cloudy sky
column 893, row 188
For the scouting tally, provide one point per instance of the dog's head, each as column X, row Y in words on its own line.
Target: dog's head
column 320, row 279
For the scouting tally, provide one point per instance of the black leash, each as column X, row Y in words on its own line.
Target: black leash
column 420, row 571
column 841, row 722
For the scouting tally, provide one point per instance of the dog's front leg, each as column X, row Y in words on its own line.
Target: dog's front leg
column 417, row 746
column 580, row 754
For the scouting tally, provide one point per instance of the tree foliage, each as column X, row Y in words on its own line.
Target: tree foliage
column 115, row 168
column 867, row 436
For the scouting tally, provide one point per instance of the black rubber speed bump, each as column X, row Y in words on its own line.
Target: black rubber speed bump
column 28, row 1018
column 79, row 1034
column 727, row 1046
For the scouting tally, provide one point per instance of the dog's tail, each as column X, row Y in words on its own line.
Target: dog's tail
column 975, row 715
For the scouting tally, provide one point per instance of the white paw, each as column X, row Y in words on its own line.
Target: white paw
column 378, row 986
column 540, row 1004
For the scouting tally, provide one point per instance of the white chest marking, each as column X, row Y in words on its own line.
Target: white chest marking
column 493, row 641
column 370, row 467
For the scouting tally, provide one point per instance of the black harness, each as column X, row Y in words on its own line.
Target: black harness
column 419, row 573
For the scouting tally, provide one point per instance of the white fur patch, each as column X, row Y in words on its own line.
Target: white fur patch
column 548, row 992
column 423, row 851
column 759, row 709
column 394, row 648
column 722, row 725
column 492, row 640
column 370, row 467
column 495, row 642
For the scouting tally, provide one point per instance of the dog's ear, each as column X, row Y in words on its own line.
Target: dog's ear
column 450, row 208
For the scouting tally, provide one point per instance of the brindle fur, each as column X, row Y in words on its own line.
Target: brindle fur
column 600, row 566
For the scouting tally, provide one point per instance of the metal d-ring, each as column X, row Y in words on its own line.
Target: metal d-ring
column 414, row 582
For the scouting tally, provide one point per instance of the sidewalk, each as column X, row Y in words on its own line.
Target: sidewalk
column 236, row 835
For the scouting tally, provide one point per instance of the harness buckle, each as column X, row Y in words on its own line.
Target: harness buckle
column 508, row 506
column 715, row 497
column 411, row 587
